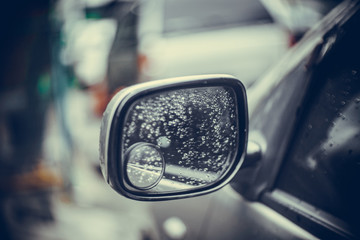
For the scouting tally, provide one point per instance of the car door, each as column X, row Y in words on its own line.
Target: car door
column 321, row 170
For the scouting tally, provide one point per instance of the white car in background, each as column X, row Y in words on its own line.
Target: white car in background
column 186, row 37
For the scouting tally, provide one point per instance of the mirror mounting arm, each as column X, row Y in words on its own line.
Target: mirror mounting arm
column 253, row 154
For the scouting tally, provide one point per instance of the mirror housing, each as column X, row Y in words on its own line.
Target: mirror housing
column 174, row 138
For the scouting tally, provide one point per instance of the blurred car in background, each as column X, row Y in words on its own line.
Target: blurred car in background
column 179, row 38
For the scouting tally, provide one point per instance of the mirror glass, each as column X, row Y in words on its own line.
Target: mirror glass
column 180, row 139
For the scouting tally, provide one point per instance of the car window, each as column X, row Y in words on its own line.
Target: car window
column 189, row 15
column 323, row 165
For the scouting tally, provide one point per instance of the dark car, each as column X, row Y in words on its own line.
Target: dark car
column 287, row 151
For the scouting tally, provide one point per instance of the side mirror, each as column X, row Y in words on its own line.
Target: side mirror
column 174, row 138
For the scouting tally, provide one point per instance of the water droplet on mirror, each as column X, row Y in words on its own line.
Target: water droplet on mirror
column 163, row 142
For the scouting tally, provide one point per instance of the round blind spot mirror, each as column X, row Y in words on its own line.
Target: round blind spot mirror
column 144, row 165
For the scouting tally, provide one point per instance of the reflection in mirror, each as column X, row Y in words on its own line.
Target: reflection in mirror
column 180, row 139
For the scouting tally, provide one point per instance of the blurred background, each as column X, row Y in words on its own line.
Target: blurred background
column 60, row 64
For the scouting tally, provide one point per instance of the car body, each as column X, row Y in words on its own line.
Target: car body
column 297, row 121
column 300, row 176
